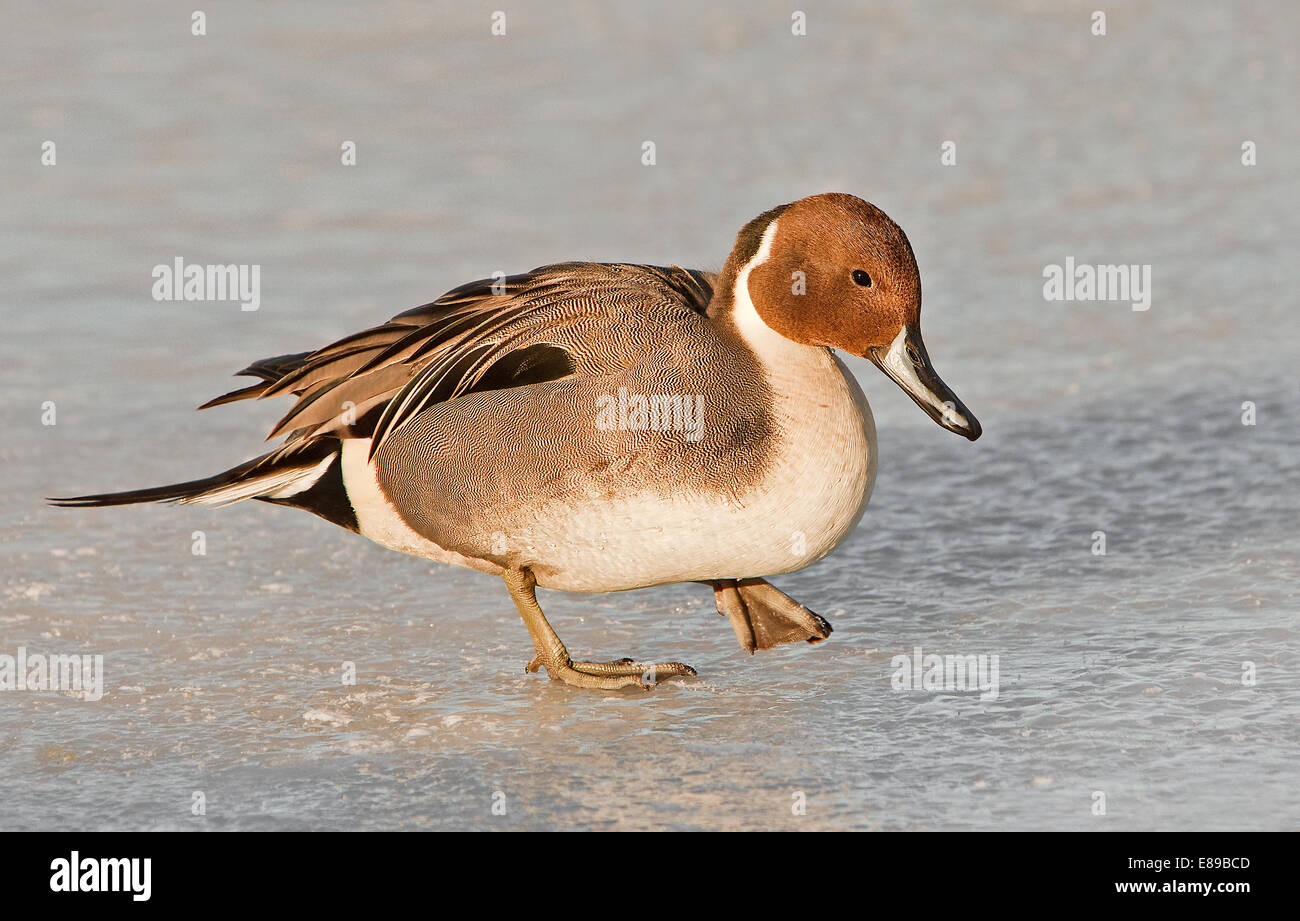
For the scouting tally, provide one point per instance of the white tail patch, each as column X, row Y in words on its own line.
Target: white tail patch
column 377, row 519
column 274, row 484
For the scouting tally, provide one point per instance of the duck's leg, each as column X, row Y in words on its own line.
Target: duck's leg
column 552, row 655
column 762, row 616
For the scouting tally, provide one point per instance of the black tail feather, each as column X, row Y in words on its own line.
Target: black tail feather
column 310, row 483
column 176, row 492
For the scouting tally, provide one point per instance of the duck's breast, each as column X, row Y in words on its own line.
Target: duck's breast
column 791, row 509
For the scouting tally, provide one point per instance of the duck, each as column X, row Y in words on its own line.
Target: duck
column 603, row 427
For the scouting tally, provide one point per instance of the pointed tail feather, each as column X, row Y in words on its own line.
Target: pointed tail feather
column 266, row 477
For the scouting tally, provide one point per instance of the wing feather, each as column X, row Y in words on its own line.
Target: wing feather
column 541, row 325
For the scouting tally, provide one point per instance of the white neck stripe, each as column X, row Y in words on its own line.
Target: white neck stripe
column 758, row 335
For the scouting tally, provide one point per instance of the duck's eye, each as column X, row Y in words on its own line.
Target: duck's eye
column 861, row 278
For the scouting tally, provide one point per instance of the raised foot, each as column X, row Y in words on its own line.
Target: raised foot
column 763, row 616
column 620, row 673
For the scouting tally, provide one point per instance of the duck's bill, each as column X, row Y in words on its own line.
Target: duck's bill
column 908, row 365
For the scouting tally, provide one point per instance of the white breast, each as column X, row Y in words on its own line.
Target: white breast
column 810, row 500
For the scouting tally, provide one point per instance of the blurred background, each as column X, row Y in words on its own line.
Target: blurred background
column 1120, row 674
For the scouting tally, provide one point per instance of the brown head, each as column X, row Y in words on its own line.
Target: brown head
column 833, row 270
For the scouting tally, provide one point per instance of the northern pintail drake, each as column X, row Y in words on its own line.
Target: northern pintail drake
column 604, row 427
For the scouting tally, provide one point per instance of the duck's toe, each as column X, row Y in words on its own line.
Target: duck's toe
column 619, row 673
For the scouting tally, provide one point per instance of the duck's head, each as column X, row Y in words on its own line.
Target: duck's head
column 833, row 270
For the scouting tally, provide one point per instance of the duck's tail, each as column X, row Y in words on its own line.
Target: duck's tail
column 310, row 478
